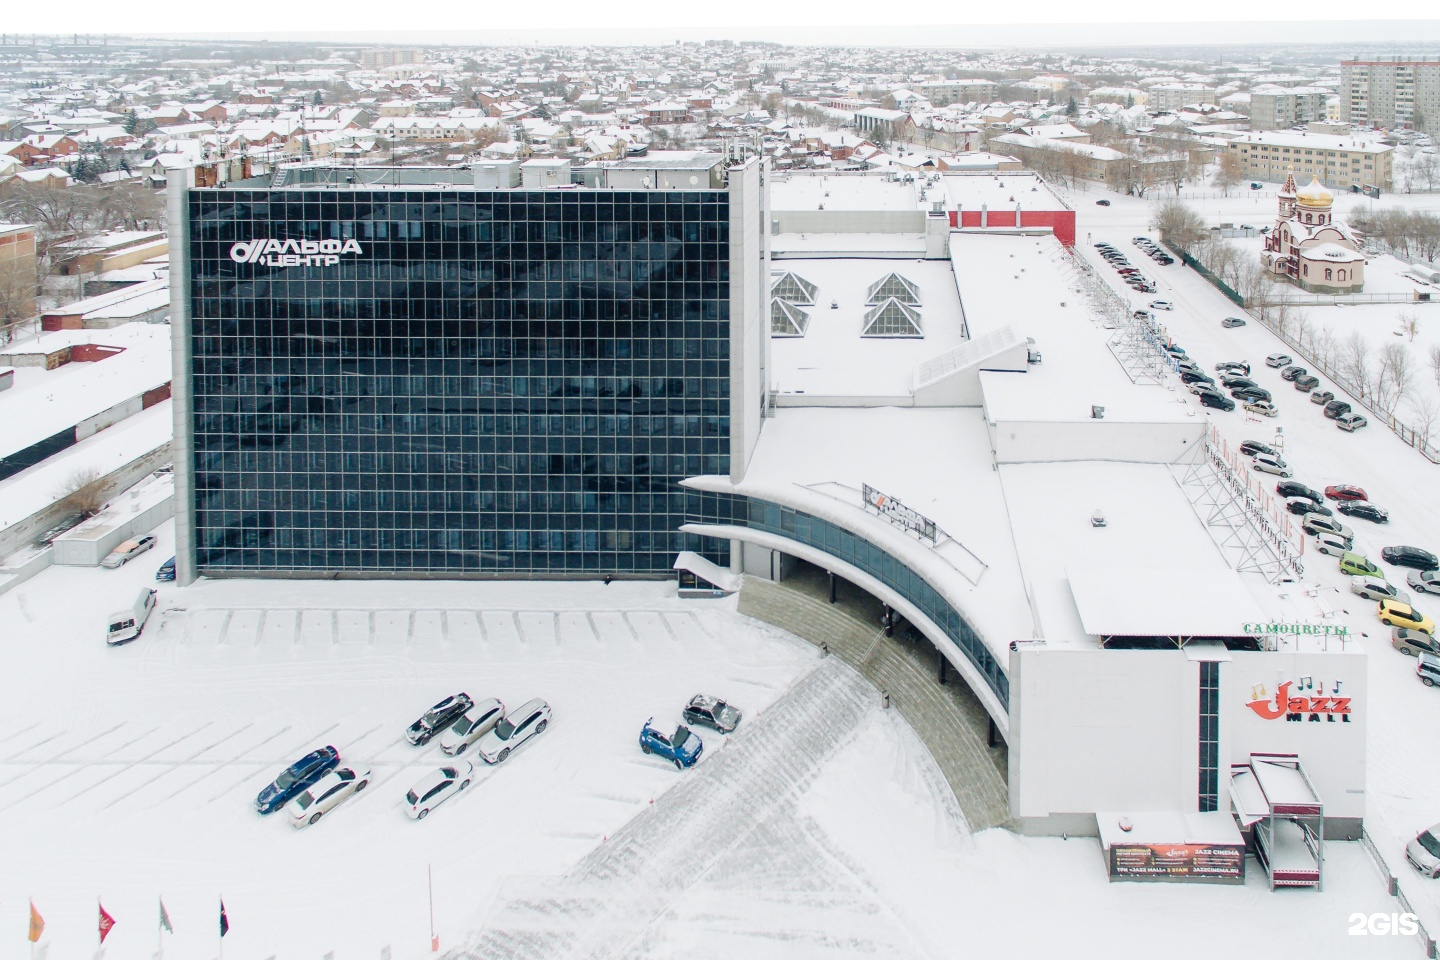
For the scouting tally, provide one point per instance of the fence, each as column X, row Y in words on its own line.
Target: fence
column 1418, row 439
column 1392, row 886
column 1328, row 299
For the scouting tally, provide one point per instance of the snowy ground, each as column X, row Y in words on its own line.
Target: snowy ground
column 129, row 773
column 1403, row 768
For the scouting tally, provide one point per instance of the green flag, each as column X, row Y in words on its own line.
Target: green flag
column 165, row 918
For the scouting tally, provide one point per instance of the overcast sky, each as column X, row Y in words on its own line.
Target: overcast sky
column 1051, row 22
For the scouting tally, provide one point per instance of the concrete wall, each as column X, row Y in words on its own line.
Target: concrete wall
column 1046, row 441
column 847, row 221
column 749, row 310
column 178, row 220
column 1094, row 730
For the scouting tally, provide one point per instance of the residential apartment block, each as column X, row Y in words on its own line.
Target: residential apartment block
column 941, row 92
column 1339, row 162
column 1172, row 96
column 1391, row 93
column 17, row 272
column 1280, row 108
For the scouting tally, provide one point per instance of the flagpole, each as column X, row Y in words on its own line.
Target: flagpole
column 160, row 934
column 430, row 883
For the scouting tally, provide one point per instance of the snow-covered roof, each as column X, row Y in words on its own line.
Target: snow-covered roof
column 1158, row 602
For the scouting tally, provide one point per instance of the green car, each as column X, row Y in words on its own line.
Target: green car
column 1356, row 565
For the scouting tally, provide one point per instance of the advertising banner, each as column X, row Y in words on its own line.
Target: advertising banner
column 1184, row 862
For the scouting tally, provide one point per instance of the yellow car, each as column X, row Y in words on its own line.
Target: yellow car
column 1393, row 613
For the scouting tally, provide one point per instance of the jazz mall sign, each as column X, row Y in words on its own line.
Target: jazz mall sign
column 293, row 253
column 1299, row 708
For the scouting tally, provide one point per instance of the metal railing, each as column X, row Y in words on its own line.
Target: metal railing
column 1392, row 887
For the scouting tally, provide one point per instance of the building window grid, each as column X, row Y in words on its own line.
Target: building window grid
column 1209, row 785
column 392, row 418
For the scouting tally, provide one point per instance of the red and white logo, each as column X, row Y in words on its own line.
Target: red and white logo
column 1297, row 709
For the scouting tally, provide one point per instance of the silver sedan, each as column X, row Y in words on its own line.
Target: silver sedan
column 326, row 794
column 472, row 725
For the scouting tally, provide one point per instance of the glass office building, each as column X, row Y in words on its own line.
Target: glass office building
column 451, row 382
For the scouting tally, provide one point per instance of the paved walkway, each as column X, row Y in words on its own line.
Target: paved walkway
column 948, row 719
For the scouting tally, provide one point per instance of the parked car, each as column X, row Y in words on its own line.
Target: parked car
column 712, row 712
column 1263, row 408
column 1291, row 372
column 326, row 794
column 1235, row 381
column 1192, row 376
column 1333, row 546
column 123, row 626
column 1212, row 399
column 1322, row 397
column 1265, row 463
column 296, row 777
column 1364, row 510
column 1300, row 506
column 1424, row 851
column 1396, row 613
column 1306, row 383
column 1294, row 488
column 1249, row 448
column 126, row 552
column 1251, row 394
column 682, row 748
column 470, row 726
column 1345, row 491
column 1314, row 523
column 1351, row 422
column 1102, row 203
column 1359, row 565
column 1161, row 305
column 1424, row 581
column 166, row 572
column 1372, row 588
column 1336, row 408
column 1277, row 360
column 514, row 729
column 1230, row 322
column 1427, row 668
column 1412, row 642
column 1239, row 366
column 439, row 717
column 1410, row 557
column 437, row 787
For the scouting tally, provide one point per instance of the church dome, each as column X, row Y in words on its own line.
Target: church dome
column 1315, row 195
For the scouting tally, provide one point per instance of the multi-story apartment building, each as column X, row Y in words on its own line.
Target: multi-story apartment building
column 1280, row 108
column 1391, row 93
column 1339, row 162
column 390, row 57
column 942, row 92
column 17, row 272
column 1172, row 96
column 414, row 376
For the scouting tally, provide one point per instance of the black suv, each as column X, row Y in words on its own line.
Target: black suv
column 1410, row 557
column 1294, row 488
column 1251, row 447
column 1210, row 398
column 1250, row 394
column 438, row 718
column 1336, row 409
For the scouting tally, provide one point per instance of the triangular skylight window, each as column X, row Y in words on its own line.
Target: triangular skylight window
column 794, row 288
column 787, row 320
column 896, row 286
column 892, row 319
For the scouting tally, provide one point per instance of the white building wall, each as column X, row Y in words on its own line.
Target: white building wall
column 848, row 221
column 749, row 310
column 1041, row 441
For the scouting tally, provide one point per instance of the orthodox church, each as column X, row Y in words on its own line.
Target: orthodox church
column 1309, row 247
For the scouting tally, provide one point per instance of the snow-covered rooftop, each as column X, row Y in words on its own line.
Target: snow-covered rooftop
column 841, row 192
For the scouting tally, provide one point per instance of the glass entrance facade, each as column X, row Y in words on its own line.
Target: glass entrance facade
column 456, row 382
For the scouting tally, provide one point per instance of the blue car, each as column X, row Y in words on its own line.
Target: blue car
column 683, row 749
column 166, row 571
column 299, row 776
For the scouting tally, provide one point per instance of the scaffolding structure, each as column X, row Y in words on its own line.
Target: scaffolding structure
column 1242, row 519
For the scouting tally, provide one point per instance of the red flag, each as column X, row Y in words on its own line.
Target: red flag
column 37, row 923
column 106, row 922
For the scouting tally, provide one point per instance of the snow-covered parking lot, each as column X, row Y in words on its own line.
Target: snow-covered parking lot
column 130, row 773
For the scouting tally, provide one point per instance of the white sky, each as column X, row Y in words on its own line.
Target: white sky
column 460, row 21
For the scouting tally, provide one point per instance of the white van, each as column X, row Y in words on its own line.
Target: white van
column 126, row 624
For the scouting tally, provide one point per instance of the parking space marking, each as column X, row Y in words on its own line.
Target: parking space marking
column 178, row 764
column 233, row 760
column 136, row 763
column 61, row 755
column 241, row 782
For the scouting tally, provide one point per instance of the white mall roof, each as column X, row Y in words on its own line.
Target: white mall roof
column 1156, row 602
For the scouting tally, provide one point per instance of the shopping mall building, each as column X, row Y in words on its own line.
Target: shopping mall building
column 911, row 386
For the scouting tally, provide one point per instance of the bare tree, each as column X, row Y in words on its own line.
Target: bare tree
column 1393, row 377
column 82, row 491
column 1229, row 171
column 1179, row 224
column 1409, row 324
column 1425, row 410
column 1435, row 362
column 1355, row 361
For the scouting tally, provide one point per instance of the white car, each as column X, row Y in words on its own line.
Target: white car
column 325, row 795
column 1424, row 852
column 1318, row 523
column 1161, row 305
column 1350, row 422
column 1277, row 360
column 471, row 726
column 1331, row 545
column 436, row 788
column 1374, row 588
column 1424, row 581
column 513, row 730
column 126, row 552
column 1263, row 407
column 1265, row 463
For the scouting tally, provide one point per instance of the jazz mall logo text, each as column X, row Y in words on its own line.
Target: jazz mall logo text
column 1296, row 709
column 293, row 253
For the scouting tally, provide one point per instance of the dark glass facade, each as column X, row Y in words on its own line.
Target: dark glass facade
column 1209, row 786
column 494, row 383
column 878, row 563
